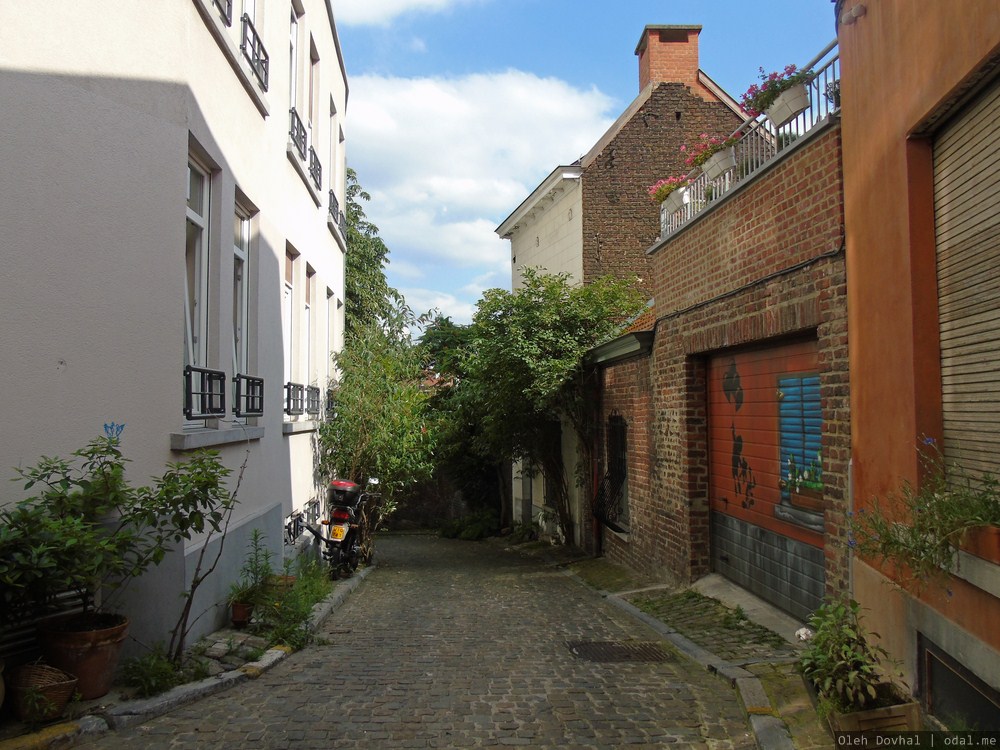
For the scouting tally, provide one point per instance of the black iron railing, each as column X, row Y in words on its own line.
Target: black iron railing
column 342, row 223
column 204, row 392
column 312, row 401
column 294, row 399
column 334, row 207
column 226, row 8
column 253, row 50
column 297, row 132
column 248, row 396
column 315, row 169
column 294, row 527
column 609, row 504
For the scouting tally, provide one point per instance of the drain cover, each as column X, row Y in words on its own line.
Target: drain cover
column 616, row 651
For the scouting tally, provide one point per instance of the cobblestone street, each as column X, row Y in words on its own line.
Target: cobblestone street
column 458, row 644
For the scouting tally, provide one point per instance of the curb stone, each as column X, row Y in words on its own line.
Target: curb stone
column 770, row 732
column 130, row 713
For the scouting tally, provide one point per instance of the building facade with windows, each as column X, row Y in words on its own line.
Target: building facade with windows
column 173, row 188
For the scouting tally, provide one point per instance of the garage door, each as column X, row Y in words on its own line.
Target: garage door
column 967, row 221
column 765, row 473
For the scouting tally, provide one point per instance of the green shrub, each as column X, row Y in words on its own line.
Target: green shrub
column 472, row 527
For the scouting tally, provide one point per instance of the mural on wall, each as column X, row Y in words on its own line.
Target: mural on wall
column 766, row 426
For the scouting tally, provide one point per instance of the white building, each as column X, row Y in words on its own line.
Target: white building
column 171, row 213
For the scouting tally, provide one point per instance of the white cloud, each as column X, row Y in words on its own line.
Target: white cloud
column 382, row 12
column 447, row 159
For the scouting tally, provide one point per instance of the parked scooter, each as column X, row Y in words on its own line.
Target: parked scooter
column 341, row 544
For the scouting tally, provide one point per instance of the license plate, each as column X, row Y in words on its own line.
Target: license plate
column 338, row 533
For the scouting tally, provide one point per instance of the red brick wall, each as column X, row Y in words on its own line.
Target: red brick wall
column 732, row 279
column 620, row 222
column 669, row 55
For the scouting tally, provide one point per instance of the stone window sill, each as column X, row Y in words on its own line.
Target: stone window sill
column 208, row 438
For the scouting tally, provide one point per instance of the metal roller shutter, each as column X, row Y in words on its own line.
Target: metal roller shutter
column 967, row 221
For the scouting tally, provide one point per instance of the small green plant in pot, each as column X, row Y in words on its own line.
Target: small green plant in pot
column 249, row 590
column 847, row 670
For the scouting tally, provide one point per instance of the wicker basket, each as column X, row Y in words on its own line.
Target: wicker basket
column 40, row 692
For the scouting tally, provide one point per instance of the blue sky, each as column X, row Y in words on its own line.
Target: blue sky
column 459, row 108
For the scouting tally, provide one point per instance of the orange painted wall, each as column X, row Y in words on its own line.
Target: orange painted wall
column 902, row 64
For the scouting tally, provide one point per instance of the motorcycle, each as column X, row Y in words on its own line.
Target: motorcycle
column 341, row 544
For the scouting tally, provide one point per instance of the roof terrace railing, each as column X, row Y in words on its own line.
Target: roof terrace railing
column 758, row 143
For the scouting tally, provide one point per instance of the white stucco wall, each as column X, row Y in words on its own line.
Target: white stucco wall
column 552, row 239
column 99, row 118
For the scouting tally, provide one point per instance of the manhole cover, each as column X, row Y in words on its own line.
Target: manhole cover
column 616, row 651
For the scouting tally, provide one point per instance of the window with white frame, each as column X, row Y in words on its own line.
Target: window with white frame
column 287, row 309
column 331, row 331
column 307, row 332
column 313, row 103
column 196, row 257
column 293, row 64
column 241, row 290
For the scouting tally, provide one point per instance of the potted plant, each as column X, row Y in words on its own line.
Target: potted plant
column 845, row 670
column 88, row 532
column 247, row 591
column 669, row 193
column 779, row 95
column 922, row 528
column 713, row 154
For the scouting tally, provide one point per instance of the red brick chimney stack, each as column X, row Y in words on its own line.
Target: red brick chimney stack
column 669, row 54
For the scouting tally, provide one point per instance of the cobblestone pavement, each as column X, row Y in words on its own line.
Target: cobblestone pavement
column 457, row 644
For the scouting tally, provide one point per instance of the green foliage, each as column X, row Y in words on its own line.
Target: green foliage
column 840, row 662
column 380, row 426
column 87, row 527
column 283, row 617
column 256, row 570
column 473, row 527
column 152, row 673
column 921, row 528
column 368, row 298
column 524, row 531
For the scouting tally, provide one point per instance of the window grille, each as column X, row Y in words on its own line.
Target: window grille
column 226, row 7
column 334, row 207
column 315, row 169
column 248, row 396
column 294, row 399
column 204, row 392
column 312, row 400
column 297, row 132
column 610, row 502
column 253, row 50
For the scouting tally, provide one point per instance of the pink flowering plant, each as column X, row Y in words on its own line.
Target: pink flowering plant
column 707, row 145
column 662, row 188
column 759, row 97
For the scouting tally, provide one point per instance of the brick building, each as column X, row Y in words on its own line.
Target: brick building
column 732, row 411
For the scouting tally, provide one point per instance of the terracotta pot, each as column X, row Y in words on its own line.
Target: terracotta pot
column 984, row 542
column 87, row 646
column 241, row 614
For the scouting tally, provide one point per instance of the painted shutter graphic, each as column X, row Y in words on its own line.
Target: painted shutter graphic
column 800, row 417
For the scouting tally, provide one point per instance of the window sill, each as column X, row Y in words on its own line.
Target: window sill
column 294, row 428
column 335, row 231
column 300, row 167
column 233, row 55
column 625, row 536
column 189, row 441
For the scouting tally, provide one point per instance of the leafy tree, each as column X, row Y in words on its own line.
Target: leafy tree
column 525, row 370
column 379, row 427
column 367, row 295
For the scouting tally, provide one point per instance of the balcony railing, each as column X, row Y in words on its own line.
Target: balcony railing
column 315, row 169
column 253, row 50
column 226, row 9
column 204, row 393
column 312, row 400
column 337, row 216
column 297, row 132
column 758, row 143
column 294, row 399
column 248, row 396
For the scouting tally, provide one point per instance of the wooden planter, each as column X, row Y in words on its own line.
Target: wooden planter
column 789, row 103
column 902, row 717
column 983, row 542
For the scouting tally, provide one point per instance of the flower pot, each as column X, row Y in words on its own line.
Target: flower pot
column 902, row 715
column 87, row 646
column 40, row 692
column 789, row 103
column 673, row 202
column 719, row 163
column 241, row 614
column 983, row 542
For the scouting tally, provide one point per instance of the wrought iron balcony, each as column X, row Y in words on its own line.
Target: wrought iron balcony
column 315, row 169
column 334, row 207
column 253, row 50
column 294, row 399
column 312, row 400
column 248, row 396
column 758, row 143
column 204, row 393
column 297, row 132
column 226, row 9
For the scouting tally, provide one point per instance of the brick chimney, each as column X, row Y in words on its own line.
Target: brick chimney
column 669, row 54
